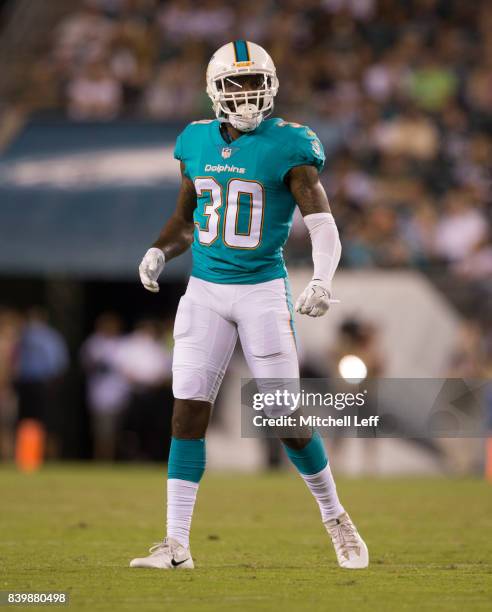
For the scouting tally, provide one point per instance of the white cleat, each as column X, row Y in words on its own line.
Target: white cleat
column 350, row 548
column 168, row 554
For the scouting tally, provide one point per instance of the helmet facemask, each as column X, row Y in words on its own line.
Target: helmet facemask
column 243, row 97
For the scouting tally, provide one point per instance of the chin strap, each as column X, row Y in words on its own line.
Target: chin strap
column 243, row 125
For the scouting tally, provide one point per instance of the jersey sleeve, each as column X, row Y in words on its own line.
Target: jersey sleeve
column 303, row 148
column 182, row 148
column 178, row 149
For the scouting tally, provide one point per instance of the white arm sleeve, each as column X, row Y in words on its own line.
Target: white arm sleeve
column 327, row 248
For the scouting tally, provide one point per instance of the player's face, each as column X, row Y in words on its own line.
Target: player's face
column 244, row 82
column 239, row 86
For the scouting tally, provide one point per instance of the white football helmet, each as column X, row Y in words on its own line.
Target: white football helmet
column 244, row 110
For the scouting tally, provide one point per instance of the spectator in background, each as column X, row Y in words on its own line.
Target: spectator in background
column 469, row 356
column 130, row 56
column 209, row 20
column 460, row 230
column 432, row 84
column 94, row 94
column 410, row 133
column 42, row 360
column 477, row 266
column 144, row 359
column 384, row 79
column 418, row 230
column 107, row 388
column 359, row 339
column 478, row 91
column 173, row 92
column 81, row 37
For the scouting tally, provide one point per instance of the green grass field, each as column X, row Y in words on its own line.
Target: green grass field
column 257, row 541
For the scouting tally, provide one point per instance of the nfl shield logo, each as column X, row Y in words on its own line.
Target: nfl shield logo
column 226, row 152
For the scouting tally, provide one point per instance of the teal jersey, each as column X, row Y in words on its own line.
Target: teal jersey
column 244, row 208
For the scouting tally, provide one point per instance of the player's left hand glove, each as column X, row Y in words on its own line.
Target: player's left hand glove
column 150, row 268
column 314, row 301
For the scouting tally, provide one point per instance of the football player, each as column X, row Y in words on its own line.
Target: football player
column 242, row 176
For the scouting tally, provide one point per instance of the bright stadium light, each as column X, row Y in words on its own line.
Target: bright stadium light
column 352, row 369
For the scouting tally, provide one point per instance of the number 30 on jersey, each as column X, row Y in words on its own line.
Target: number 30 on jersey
column 236, row 188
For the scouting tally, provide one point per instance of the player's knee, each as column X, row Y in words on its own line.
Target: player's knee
column 190, row 419
column 191, row 383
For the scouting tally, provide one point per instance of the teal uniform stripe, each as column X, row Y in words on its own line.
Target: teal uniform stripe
column 241, row 50
column 288, row 297
column 312, row 458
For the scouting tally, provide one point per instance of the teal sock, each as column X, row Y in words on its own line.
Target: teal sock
column 186, row 459
column 312, row 458
column 184, row 471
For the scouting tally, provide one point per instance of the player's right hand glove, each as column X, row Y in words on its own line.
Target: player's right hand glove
column 150, row 268
column 314, row 301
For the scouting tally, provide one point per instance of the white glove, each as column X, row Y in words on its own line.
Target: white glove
column 314, row 300
column 150, row 268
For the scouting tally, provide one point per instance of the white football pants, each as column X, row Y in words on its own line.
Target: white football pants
column 209, row 319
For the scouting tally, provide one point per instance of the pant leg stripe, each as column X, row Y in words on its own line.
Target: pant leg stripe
column 288, row 299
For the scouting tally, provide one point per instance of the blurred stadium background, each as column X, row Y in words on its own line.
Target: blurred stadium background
column 92, row 96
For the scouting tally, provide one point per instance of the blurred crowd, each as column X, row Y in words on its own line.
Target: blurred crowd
column 125, row 377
